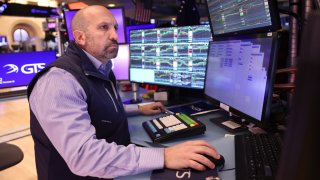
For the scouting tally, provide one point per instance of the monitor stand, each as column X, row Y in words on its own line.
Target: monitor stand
column 179, row 96
column 136, row 95
column 136, row 98
column 232, row 124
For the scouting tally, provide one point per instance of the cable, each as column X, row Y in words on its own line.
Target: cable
column 227, row 169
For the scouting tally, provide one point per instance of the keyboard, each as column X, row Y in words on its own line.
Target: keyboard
column 257, row 156
column 173, row 126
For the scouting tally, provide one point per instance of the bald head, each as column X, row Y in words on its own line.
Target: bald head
column 94, row 29
column 82, row 18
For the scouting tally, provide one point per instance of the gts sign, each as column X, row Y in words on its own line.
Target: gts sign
column 25, row 69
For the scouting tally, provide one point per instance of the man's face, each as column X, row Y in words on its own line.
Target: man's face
column 101, row 36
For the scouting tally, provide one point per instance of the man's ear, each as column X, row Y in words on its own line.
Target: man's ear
column 79, row 37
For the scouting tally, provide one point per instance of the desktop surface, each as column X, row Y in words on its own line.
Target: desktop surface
column 214, row 135
column 220, row 138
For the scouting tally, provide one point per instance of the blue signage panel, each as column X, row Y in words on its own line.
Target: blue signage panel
column 26, row 10
column 18, row 69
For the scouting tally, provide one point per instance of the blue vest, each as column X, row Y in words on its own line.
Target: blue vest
column 104, row 105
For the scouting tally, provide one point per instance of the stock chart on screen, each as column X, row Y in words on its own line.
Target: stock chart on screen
column 228, row 16
column 174, row 56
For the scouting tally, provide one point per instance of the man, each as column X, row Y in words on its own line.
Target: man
column 78, row 122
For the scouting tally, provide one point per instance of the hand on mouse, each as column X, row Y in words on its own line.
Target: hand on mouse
column 153, row 108
column 190, row 155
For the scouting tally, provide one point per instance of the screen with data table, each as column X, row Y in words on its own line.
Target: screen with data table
column 175, row 56
column 240, row 72
column 234, row 16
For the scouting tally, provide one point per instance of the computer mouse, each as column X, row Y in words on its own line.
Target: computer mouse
column 219, row 163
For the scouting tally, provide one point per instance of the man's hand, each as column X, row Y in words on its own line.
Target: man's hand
column 153, row 108
column 189, row 155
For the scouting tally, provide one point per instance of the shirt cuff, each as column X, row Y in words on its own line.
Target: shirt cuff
column 151, row 159
column 131, row 109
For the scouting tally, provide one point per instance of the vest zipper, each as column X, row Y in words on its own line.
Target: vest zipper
column 114, row 104
column 114, row 91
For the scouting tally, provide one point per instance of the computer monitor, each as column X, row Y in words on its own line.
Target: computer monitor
column 141, row 26
column 173, row 56
column 240, row 74
column 243, row 17
column 121, row 63
column 3, row 41
column 51, row 25
column 117, row 13
column 18, row 69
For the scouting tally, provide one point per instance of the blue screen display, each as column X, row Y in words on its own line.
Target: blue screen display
column 18, row 69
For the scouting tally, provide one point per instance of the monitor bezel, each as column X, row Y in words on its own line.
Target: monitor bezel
column 75, row 10
column 275, row 22
column 167, row 85
column 264, row 122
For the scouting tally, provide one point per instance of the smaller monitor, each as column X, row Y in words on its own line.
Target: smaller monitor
column 18, row 69
column 240, row 74
column 142, row 26
column 3, row 41
column 243, row 17
column 117, row 13
column 121, row 63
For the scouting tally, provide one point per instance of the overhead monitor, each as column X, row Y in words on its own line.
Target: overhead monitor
column 121, row 63
column 173, row 56
column 141, row 26
column 240, row 74
column 3, row 41
column 18, row 69
column 243, row 17
column 117, row 13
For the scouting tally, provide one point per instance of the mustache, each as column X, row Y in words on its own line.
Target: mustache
column 114, row 42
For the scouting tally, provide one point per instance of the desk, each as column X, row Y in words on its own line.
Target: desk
column 214, row 135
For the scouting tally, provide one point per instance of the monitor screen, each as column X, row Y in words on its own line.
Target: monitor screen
column 121, row 63
column 240, row 73
column 117, row 13
column 51, row 25
column 173, row 56
column 233, row 17
column 3, row 41
column 18, row 69
column 142, row 26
